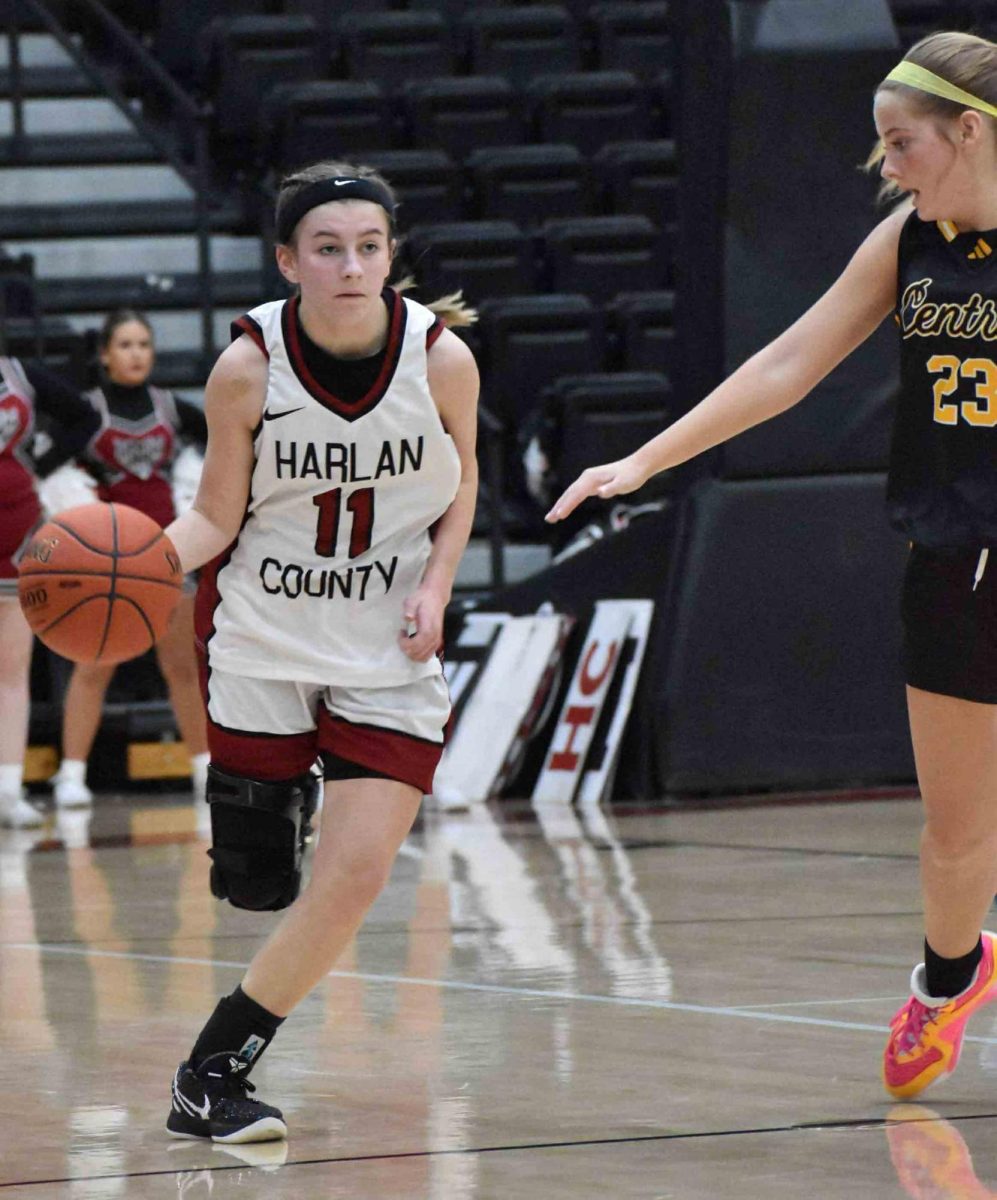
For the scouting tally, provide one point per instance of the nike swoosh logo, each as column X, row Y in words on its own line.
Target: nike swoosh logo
column 195, row 1110
column 275, row 416
column 343, row 182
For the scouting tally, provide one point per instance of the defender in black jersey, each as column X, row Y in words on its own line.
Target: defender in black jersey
column 933, row 264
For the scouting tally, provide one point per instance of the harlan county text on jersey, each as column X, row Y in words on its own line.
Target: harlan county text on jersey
column 340, row 463
column 346, row 462
column 292, row 580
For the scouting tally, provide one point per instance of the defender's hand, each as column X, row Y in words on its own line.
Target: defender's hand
column 611, row 479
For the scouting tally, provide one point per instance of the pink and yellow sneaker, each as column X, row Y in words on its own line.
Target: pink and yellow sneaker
column 926, row 1034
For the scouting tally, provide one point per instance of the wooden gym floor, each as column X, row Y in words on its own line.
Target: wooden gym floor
column 680, row 1004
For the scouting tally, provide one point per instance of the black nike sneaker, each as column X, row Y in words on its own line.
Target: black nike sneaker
column 212, row 1102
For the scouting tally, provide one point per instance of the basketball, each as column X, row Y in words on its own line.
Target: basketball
column 98, row 583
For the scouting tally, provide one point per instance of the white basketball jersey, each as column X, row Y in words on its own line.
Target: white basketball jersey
column 342, row 499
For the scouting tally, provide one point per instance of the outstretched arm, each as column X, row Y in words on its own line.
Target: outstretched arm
column 771, row 381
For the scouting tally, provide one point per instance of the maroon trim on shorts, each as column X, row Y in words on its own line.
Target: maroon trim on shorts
column 402, row 756
column 264, row 756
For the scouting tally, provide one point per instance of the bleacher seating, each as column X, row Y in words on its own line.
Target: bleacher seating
column 600, row 418
column 179, row 25
column 590, row 108
column 327, row 13
column 607, row 395
column 521, row 42
column 484, row 258
column 304, row 122
column 638, row 177
column 246, row 57
column 527, row 342
column 526, row 141
column 645, row 330
column 462, row 114
column 529, row 184
column 632, row 36
column 392, row 47
column 452, row 10
column 427, row 182
column 601, row 256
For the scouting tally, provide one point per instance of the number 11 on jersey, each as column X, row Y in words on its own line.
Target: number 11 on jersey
column 329, row 504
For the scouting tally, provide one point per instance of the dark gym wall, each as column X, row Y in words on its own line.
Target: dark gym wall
column 802, row 80
column 776, row 661
column 774, row 655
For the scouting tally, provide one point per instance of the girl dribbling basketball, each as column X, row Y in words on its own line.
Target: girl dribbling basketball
column 341, row 431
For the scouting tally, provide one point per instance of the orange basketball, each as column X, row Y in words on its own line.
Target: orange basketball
column 98, row 583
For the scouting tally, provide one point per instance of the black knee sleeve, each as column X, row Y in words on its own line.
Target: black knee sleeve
column 258, row 833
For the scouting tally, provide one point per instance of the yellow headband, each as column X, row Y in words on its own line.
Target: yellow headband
column 927, row 81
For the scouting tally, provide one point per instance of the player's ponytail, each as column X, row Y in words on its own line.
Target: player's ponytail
column 452, row 310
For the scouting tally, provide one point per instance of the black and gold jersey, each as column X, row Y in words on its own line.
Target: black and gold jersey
column 943, row 464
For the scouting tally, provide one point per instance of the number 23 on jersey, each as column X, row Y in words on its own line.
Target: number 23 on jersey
column 981, row 410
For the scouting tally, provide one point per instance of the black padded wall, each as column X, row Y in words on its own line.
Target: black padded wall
column 777, row 657
column 774, row 656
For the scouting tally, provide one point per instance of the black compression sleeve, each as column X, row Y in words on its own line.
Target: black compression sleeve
column 73, row 419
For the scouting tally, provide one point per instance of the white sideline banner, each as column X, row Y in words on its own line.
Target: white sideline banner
column 587, row 693
column 496, row 718
column 604, row 753
column 465, row 658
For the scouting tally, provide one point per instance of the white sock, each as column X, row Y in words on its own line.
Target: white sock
column 11, row 775
column 72, row 770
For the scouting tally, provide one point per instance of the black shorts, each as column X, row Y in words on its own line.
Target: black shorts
column 950, row 627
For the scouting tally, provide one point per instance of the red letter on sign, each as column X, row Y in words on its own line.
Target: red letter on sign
column 587, row 683
column 566, row 759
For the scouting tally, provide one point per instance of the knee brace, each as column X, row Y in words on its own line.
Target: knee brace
column 258, row 834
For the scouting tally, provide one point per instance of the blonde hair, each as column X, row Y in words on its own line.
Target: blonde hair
column 451, row 309
column 968, row 61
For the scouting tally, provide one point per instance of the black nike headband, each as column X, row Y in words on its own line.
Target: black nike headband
column 341, row 187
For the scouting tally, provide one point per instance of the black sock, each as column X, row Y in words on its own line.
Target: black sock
column 950, row 976
column 238, row 1025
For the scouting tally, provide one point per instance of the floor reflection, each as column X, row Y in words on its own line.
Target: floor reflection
column 930, row 1156
column 528, row 995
